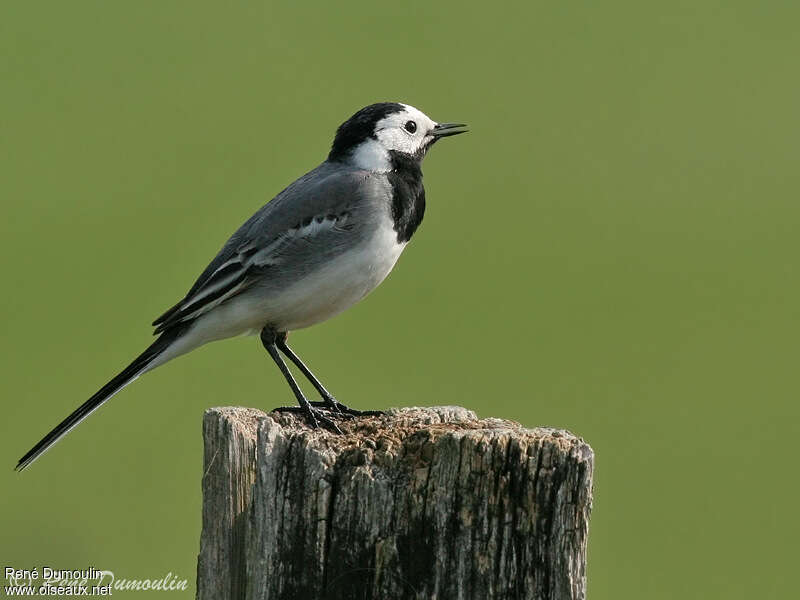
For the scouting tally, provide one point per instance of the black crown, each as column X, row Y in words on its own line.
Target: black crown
column 360, row 127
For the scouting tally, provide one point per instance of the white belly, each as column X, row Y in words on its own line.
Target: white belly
column 333, row 287
column 337, row 285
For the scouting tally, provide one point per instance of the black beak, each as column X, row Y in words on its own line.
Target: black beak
column 447, row 129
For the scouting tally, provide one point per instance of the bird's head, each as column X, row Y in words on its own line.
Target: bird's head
column 369, row 138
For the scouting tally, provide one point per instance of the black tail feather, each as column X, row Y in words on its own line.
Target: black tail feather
column 84, row 410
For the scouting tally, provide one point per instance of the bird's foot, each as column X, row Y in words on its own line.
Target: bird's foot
column 331, row 404
column 315, row 416
column 322, row 412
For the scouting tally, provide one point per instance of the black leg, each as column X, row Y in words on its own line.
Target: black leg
column 326, row 395
column 328, row 401
column 314, row 416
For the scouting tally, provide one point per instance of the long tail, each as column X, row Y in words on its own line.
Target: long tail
column 128, row 375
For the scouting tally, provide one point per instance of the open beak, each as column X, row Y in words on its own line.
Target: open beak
column 447, row 129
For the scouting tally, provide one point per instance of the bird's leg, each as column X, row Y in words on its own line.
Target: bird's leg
column 314, row 415
column 328, row 401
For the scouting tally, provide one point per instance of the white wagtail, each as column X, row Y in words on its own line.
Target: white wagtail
column 317, row 248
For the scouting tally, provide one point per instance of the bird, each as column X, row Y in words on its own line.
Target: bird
column 314, row 250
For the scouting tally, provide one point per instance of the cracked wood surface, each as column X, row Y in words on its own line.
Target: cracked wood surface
column 422, row 503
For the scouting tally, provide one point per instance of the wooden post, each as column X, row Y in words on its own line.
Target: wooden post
column 424, row 503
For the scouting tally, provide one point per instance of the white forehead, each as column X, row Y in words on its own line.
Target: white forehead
column 409, row 113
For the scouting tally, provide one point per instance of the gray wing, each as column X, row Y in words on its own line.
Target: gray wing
column 311, row 221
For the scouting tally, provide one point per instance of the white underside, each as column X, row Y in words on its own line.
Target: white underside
column 324, row 293
column 329, row 290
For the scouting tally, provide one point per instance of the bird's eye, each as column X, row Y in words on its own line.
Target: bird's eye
column 411, row 126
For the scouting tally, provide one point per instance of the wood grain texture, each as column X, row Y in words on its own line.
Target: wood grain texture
column 423, row 503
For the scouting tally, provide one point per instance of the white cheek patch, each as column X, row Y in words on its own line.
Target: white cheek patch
column 392, row 133
column 373, row 154
column 396, row 138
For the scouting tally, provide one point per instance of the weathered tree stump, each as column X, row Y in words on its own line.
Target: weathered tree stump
column 423, row 503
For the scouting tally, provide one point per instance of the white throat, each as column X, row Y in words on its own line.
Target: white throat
column 371, row 156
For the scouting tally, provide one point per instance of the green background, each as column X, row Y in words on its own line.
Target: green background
column 612, row 249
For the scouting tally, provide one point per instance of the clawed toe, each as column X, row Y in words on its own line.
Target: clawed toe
column 322, row 412
column 371, row 413
column 335, row 412
column 336, row 407
column 318, row 416
column 314, row 416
